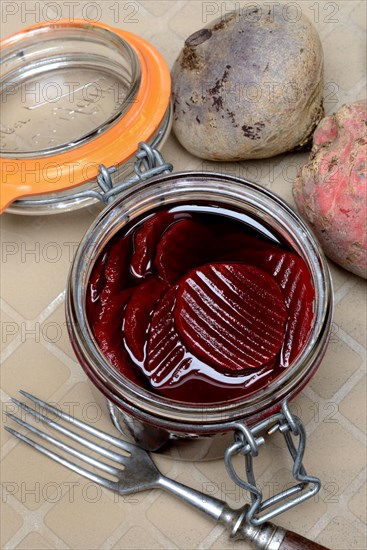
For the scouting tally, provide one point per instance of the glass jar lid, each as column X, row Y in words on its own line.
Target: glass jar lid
column 75, row 95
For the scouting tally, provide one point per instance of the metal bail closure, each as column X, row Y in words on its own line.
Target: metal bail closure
column 149, row 163
column 247, row 442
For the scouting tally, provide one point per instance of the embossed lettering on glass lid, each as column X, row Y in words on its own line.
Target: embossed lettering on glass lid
column 80, row 86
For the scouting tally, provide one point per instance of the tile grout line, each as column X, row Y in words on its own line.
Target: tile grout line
column 323, row 413
column 17, row 341
column 10, row 311
column 11, row 348
column 64, row 358
column 51, row 307
column 347, row 494
column 351, row 428
column 351, row 342
column 213, row 536
column 342, row 291
column 341, row 393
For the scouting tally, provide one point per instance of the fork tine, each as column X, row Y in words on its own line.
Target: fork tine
column 129, row 447
column 64, row 461
column 76, row 437
column 92, row 461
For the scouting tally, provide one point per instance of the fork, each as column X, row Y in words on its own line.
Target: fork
column 135, row 471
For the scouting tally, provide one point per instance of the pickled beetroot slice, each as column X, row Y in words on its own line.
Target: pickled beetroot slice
column 230, row 243
column 108, row 330
column 167, row 361
column 292, row 275
column 288, row 270
column 138, row 314
column 183, row 246
column 174, row 372
column 197, row 386
column 108, row 333
column 95, row 287
column 298, row 327
column 230, row 314
column 116, row 270
column 145, row 242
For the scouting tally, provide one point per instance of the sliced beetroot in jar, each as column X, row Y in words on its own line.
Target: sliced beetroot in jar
column 108, row 333
column 178, row 375
column 167, row 360
column 230, row 243
column 291, row 273
column 145, row 243
column 300, row 316
column 116, row 269
column 199, row 307
column 232, row 315
column 288, row 270
column 95, row 287
column 197, row 386
column 138, row 314
column 108, row 330
column 183, row 246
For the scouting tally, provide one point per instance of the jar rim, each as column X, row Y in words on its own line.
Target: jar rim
column 145, row 113
column 170, row 189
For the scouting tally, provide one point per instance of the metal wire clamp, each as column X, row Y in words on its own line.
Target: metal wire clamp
column 247, row 443
column 149, row 163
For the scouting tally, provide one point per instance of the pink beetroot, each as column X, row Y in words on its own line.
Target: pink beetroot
column 331, row 188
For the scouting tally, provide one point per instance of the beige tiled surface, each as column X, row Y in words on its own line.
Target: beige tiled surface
column 46, row 506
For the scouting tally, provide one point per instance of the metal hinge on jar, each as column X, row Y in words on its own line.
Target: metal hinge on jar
column 149, row 163
column 247, row 443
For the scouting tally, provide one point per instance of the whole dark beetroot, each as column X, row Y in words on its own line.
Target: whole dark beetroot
column 249, row 85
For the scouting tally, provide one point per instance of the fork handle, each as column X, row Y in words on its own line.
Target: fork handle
column 270, row 536
column 292, row 541
column 266, row 536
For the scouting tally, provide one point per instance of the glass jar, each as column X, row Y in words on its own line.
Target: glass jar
column 74, row 96
column 156, row 422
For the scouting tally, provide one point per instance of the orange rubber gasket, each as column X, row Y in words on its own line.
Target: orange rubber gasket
column 26, row 177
